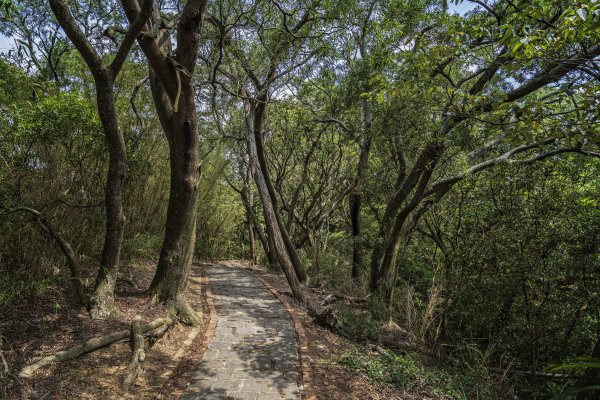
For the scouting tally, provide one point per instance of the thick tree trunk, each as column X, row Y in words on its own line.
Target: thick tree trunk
column 102, row 300
column 181, row 128
column 273, row 226
column 171, row 81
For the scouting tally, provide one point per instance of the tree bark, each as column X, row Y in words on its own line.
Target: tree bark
column 102, row 301
column 137, row 352
column 170, row 279
column 172, row 85
column 273, row 227
column 256, row 130
column 395, row 216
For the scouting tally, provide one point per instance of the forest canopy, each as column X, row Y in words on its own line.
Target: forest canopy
column 438, row 161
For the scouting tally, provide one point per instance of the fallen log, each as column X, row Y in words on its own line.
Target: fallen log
column 89, row 346
column 137, row 352
column 332, row 298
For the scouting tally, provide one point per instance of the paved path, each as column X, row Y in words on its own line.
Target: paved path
column 253, row 354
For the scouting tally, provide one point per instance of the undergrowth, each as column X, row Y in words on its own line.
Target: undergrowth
column 405, row 371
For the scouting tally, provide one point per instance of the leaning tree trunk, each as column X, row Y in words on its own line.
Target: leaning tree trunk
column 273, row 226
column 401, row 208
column 256, row 131
column 264, row 241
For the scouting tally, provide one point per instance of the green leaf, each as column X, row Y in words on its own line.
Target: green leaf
column 582, row 13
column 579, row 387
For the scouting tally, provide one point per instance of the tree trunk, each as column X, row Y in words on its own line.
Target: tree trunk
column 181, row 129
column 252, row 244
column 260, row 155
column 271, row 257
column 102, row 300
column 356, row 195
column 272, row 253
column 273, row 226
column 402, row 215
column 248, row 195
column 172, row 85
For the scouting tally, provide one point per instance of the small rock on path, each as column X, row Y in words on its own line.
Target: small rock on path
column 253, row 354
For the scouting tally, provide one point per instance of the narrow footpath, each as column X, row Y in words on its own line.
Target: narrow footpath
column 253, row 354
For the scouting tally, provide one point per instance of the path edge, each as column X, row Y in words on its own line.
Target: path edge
column 308, row 392
column 208, row 336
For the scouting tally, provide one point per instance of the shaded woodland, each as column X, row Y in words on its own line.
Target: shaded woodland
column 430, row 166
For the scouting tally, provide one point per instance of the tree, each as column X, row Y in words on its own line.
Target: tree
column 253, row 80
column 102, row 301
column 473, row 98
column 172, row 83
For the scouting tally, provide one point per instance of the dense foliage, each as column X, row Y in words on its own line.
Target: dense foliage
column 445, row 162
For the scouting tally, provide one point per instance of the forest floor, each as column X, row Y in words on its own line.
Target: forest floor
column 331, row 379
column 52, row 321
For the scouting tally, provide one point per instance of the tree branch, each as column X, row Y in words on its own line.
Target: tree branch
column 134, row 30
column 505, row 158
column 66, row 20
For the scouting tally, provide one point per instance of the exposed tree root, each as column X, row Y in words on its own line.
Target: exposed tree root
column 186, row 314
column 137, row 352
column 180, row 308
column 90, row 345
